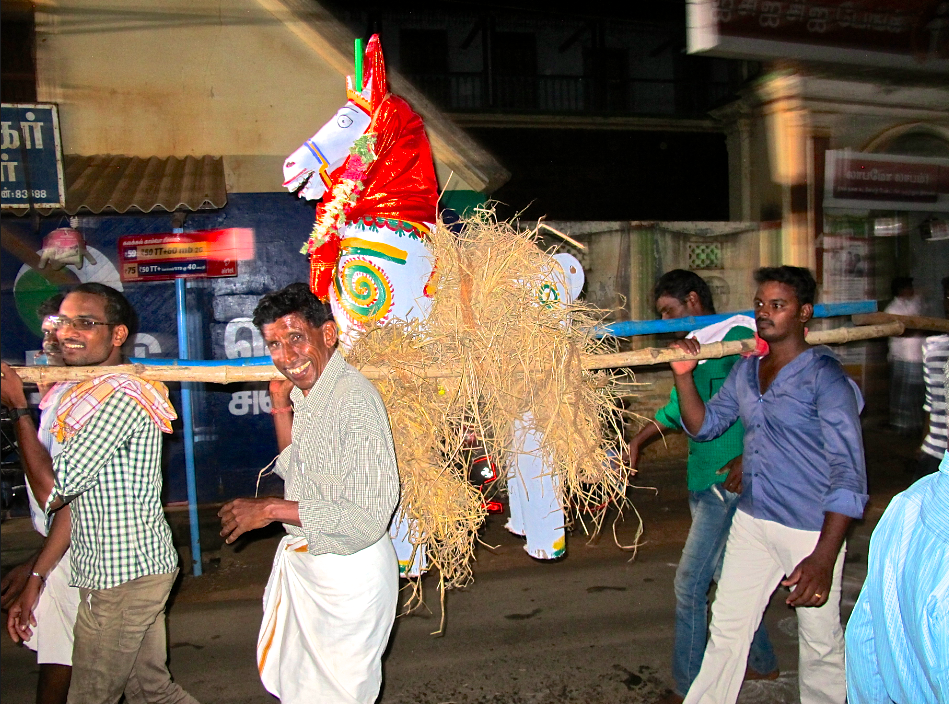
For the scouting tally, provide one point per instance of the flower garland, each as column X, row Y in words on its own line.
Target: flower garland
column 345, row 193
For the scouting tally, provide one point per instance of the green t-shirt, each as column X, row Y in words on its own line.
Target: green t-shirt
column 706, row 458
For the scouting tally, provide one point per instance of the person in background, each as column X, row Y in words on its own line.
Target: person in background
column 935, row 354
column 714, row 483
column 906, row 363
column 56, row 606
column 803, row 481
column 108, row 474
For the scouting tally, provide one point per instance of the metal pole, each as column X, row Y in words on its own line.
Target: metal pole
column 187, row 422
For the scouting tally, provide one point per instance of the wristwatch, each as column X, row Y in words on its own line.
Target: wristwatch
column 17, row 413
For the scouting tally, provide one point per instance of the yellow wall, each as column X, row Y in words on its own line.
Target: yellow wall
column 185, row 77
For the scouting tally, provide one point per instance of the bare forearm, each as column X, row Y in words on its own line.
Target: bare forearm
column 37, row 463
column 57, row 542
column 832, row 535
column 646, row 435
column 242, row 515
column 691, row 406
column 282, row 409
column 284, row 511
column 283, row 425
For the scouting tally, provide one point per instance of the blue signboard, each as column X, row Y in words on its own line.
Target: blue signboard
column 31, row 164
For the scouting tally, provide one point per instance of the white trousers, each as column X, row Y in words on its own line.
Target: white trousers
column 758, row 555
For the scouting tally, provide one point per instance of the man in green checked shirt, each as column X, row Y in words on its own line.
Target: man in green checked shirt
column 714, row 482
column 109, row 473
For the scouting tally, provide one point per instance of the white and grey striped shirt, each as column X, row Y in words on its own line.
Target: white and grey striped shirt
column 340, row 465
column 935, row 356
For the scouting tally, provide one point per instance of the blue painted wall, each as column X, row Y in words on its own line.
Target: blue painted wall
column 234, row 433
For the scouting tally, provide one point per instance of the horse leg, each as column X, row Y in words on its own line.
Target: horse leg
column 535, row 502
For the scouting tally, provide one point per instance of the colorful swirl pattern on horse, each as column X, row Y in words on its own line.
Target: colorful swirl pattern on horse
column 381, row 275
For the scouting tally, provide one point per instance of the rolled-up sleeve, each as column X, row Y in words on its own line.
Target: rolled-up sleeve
column 721, row 411
column 283, row 462
column 668, row 415
column 839, row 418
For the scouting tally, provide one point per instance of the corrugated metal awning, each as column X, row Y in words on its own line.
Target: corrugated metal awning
column 107, row 183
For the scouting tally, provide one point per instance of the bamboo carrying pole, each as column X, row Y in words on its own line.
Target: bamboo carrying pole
column 912, row 322
column 636, row 358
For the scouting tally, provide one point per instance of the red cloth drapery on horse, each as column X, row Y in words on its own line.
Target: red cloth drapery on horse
column 400, row 182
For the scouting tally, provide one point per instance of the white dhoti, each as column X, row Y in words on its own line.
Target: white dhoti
column 55, row 614
column 327, row 620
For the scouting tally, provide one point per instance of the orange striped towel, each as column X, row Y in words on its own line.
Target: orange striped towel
column 81, row 402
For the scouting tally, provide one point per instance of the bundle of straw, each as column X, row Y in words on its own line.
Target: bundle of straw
column 516, row 357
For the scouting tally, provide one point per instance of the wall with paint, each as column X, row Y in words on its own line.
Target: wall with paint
column 233, row 429
column 244, row 79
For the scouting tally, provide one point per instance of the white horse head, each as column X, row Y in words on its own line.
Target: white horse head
column 309, row 169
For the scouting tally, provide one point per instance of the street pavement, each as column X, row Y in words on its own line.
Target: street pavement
column 593, row 627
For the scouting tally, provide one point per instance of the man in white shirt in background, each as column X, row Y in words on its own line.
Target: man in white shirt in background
column 906, row 363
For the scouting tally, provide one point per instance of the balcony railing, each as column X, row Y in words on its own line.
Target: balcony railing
column 570, row 95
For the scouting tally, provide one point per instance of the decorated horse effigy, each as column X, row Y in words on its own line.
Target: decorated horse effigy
column 487, row 304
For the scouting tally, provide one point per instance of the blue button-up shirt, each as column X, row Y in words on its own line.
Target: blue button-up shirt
column 803, row 444
column 898, row 635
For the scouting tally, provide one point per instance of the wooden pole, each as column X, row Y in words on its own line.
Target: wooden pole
column 911, row 322
column 636, row 358
column 715, row 350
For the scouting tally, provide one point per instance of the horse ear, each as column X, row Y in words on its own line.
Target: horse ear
column 374, row 72
column 375, row 87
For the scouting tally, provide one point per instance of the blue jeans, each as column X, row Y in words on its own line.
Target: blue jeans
column 701, row 563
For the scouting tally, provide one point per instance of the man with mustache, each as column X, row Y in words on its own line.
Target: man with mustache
column 714, row 483
column 109, row 474
column 804, row 481
column 331, row 599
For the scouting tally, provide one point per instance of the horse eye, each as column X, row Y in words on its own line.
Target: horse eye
column 344, row 121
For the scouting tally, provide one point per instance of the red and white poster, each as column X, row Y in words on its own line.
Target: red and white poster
column 860, row 181
column 907, row 34
column 202, row 254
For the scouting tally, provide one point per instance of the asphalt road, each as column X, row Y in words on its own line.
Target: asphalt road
column 594, row 627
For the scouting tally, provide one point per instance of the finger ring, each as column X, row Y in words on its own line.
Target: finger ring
column 819, row 596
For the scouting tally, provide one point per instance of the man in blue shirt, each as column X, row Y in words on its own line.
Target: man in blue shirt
column 712, row 498
column 898, row 634
column 804, row 480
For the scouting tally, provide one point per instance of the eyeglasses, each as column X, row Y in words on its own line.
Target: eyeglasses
column 83, row 324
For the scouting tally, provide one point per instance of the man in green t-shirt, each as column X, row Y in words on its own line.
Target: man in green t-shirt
column 714, row 482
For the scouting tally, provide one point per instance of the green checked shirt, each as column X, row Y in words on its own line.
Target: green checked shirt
column 340, row 466
column 112, row 468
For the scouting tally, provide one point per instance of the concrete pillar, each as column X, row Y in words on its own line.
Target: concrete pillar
column 787, row 121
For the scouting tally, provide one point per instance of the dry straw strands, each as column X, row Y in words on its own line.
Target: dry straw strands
column 512, row 357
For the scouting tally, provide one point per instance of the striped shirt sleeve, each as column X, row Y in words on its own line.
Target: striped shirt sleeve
column 935, row 355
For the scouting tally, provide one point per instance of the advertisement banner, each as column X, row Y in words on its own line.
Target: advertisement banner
column 907, row 34
column 860, row 181
column 203, row 254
